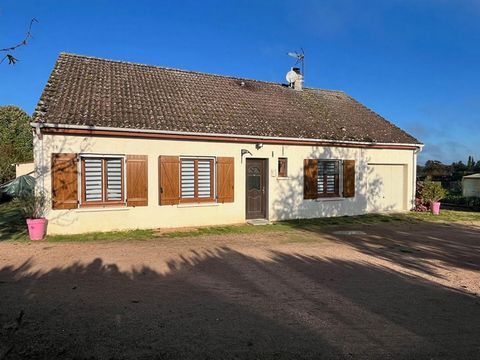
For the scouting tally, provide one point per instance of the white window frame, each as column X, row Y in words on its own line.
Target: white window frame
column 340, row 180
column 80, row 176
column 214, row 178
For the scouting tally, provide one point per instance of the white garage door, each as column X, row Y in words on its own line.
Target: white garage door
column 386, row 188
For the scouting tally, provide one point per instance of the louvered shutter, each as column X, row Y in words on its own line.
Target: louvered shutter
column 64, row 181
column 225, row 179
column 310, row 178
column 169, row 177
column 137, row 180
column 349, row 178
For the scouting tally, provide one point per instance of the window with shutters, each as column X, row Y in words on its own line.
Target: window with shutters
column 328, row 181
column 102, row 181
column 197, row 180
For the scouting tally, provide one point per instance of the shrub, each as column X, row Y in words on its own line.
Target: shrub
column 471, row 201
column 433, row 191
column 33, row 205
column 420, row 206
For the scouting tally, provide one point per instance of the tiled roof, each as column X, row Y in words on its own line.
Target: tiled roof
column 473, row 176
column 90, row 91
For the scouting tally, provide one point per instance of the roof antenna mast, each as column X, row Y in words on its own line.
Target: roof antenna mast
column 300, row 56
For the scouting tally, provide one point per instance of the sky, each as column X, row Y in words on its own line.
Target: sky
column 415, row 62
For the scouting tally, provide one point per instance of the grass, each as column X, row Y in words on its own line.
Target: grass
column 229, row 229
column 13, row 227
column 104, row 236
column 444, row 216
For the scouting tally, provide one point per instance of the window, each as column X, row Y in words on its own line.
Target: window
column 282, row 167
column 328, row 178
column 197, row 180
column 102, row 181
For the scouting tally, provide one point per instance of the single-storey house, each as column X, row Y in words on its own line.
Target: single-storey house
column 471, row 185
column 120, row 146
column 24, row 168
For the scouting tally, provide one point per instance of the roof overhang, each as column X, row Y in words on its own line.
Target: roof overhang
column 86, row 130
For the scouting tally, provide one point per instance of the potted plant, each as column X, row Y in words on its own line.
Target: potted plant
column 33, row 206
column 433, row 192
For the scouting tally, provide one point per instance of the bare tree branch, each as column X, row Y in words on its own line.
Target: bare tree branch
column 11, row 59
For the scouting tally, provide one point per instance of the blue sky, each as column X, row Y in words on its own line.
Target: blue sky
column 415, row 62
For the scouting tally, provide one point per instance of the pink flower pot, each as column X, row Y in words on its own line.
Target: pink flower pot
column 435, row 208
column 36, row 228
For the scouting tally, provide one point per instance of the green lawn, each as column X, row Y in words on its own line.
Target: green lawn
column 444, row 216
column 105, row 236
column 13, row 227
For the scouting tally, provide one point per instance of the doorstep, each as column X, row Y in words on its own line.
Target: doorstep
column 256, row 222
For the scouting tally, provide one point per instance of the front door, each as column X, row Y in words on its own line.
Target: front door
column 256, row 189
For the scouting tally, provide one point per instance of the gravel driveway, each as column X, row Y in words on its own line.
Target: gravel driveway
column 381, row 291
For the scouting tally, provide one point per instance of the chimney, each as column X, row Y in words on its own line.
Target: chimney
column 299, row 84
column 295, row 79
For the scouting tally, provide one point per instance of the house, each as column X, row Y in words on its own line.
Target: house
column 471, row 185
column 122, row 146
column 24, row 168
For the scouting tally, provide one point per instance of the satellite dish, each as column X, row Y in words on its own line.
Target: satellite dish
column 291, row 77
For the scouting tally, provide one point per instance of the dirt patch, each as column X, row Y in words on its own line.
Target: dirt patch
column 396, row 291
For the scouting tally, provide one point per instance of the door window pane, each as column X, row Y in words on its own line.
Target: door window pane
column 253, row 182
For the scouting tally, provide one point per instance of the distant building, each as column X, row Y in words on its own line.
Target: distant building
column 25, row 168
column 471, row 185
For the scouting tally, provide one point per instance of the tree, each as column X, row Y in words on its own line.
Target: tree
column 476, row 168
column 470, row 163
column 15, row 140
column 9, row 49
column 435, row 168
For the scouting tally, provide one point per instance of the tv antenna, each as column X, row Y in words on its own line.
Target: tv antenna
column 300, row 56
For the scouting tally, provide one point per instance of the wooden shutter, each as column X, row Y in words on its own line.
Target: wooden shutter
column 137, row 180
column 349, row 178
column 64, row 181
column 310, row 176
column 169, row 180
column 225, row 179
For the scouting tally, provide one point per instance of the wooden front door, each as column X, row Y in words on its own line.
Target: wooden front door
column 256, row 189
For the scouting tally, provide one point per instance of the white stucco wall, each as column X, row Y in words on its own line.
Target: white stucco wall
column 285, row 196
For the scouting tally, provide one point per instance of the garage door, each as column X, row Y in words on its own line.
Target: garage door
column 386, row 188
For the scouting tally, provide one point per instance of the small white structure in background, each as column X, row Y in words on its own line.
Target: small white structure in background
column 25, row 168
column 471, row 185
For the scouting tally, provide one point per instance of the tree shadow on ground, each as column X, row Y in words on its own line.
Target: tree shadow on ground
column 422, row 246
column 222, row 304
